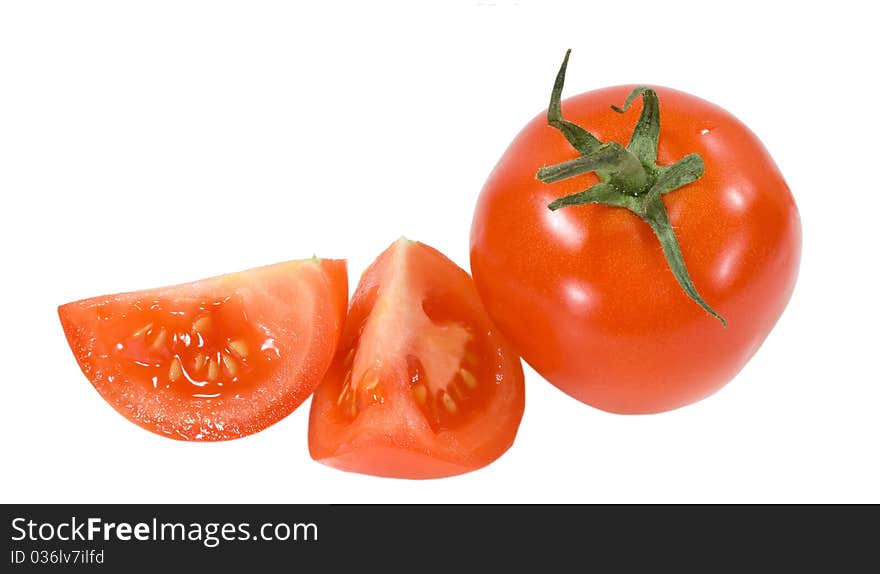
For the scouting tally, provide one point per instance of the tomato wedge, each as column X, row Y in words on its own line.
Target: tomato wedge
column 422, row 385
column 214, row 359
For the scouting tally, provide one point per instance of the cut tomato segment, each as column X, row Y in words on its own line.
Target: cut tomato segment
column 422, row 385
column 215, row 359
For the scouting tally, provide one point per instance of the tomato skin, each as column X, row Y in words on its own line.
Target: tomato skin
column 585, row 294
column 300, row 303
column 394, row 438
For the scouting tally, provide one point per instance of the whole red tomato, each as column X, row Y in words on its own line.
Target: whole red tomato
column 648, row 287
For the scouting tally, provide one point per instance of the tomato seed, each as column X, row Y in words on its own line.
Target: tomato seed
column 420, row 394
column 175, row 371
column 230, row 364
column 160, row 339
column 143, row 330
column 349, row 359
column 213, row 370
column 342, row 395
column 448, row 403
column 201, row 324
column 469, row 379
column 369, row 381
column 239, row 347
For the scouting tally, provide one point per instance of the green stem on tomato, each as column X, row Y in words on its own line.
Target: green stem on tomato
column 630, row 177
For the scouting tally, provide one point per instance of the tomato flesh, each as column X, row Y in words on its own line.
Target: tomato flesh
column 214, row 359
column 205, row 349
column 422, row 385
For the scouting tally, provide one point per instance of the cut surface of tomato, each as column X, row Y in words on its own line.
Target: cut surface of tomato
column 214, row 359
column 422, row 385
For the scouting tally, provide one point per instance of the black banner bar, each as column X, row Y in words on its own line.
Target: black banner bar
column 265, row 538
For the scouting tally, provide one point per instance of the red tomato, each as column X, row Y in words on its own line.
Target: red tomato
column 422, row 385
column 585, row 293
column 214, row 359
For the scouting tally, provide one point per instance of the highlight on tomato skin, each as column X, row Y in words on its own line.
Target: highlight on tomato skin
column 214, row 359
column 422, row 385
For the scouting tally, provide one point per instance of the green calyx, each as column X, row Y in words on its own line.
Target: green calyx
column 630, row 177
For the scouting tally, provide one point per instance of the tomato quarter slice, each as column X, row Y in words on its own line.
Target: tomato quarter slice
column 422, row 385
column 215, row 359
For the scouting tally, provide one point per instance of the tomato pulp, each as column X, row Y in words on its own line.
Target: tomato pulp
column 422, row 386
column 585, row 293
column 214, row 359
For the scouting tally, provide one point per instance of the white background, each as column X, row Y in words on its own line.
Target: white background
column 148, row 143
